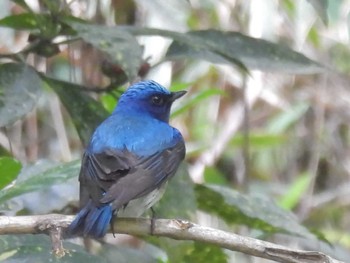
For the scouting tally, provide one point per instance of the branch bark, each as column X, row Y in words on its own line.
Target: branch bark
column 54, row 225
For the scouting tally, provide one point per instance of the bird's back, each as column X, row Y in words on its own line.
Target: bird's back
column 140, row 135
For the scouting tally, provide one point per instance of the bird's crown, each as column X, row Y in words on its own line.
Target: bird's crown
column 147, row 98
column 145, row 88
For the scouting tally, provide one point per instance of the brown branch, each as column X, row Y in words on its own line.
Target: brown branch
column 54, row 225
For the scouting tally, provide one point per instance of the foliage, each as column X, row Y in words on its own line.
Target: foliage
column 283, row 153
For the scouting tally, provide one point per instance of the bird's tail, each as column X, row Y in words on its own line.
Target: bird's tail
column 91, row 221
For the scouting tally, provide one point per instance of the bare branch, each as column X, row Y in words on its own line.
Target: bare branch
column 54, row 225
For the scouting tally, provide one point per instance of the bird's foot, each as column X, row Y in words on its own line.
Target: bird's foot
column 153, row 221
column 112, row 225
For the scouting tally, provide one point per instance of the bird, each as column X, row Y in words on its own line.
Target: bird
column 130, row 158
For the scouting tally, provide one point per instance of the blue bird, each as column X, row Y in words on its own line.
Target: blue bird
column 130, row 158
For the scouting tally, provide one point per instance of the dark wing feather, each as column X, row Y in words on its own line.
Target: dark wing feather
column 99, row 172
column 118, row 177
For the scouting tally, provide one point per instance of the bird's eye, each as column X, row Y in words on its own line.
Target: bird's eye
column 157, row 100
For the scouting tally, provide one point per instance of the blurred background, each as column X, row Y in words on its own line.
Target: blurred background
column 266, row 127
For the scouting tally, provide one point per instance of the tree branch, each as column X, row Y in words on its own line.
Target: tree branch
column 55, row 224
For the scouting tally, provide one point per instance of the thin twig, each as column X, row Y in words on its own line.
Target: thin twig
column 171, row 228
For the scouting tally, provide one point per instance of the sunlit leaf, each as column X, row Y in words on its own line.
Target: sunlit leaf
column 214, row 176
column 285, row 119
column 121, row 47
column 20, row 88
column 9, row 169
column 85, row 112
column 220, row 47
column 55, row 175
column 108, row 101
column 295, row 192
column 259, row 140
column 177, row 86
column 195, row 99
column 37, row 249
column 253, row 211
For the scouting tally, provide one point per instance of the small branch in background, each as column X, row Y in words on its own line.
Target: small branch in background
column 54, row 225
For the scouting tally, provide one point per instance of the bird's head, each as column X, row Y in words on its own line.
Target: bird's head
column 149, row 98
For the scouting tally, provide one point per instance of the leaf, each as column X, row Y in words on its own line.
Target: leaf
column 109, row 101
column 20, row 88
column 253, row 211
column 222, row 47
column 120, row 46
column 284, row 120
column 85, row 112
column 233, row 47
column 9, row 169
column 259, row 140
column 214, row 176
column 321, row 7
column 187, row 39
column 177, row 86
column 197, row 98
column 295, row 192
column 38, row 181
column 25, row 21
column 205, row 253
column 37, row 249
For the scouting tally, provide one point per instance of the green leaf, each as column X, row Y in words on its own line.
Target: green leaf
column 196, row 43
column 205, row 253
column 197, row 98
column 284, row 120
column 20, row 88
column 253, row 211
column 222, row 47
column 40, row 180
column 85, row 112
column 295, row 192
column 214, row 176
column 177, row 86
column 259, row 140
column 9, row 169
column 37, row 249
column 108, row 101
column 233, row 47
column 120, row 46
column 25, row 21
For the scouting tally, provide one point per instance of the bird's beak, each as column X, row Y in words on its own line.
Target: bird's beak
column 178, row 94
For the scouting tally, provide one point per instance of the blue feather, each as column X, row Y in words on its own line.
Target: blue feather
column 91, row 221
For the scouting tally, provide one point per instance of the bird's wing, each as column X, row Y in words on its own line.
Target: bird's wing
column 123, row 176
column 99, row 171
